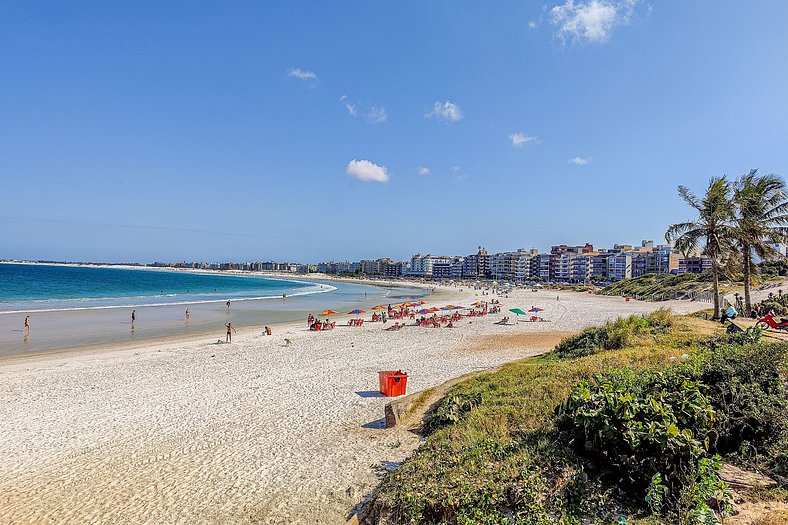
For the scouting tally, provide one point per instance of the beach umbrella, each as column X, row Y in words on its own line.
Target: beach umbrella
column 536, row 309
column 356, row 312
column 423, row 311
column 408, row 304
column 458, row 307
column 421, row 302
column 433, row 309
column 379, row 307
column 477, row 303
column 517, row 311
column 328, row 312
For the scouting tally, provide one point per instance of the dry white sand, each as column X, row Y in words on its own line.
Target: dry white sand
column 253, row 432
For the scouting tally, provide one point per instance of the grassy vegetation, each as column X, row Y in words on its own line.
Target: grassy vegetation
column 522, row 445
column 659, row 287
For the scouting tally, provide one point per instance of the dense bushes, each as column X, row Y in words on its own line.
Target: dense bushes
column 746, row 386
column 658, row 287
column 657, row 430
column 615, row 335
column 651, row 431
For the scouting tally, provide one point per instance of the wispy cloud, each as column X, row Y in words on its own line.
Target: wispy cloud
column 448, row 111
column 421, row 170
column 532, row 24
column 591, row 20
column 366, row 171
column 520, row 139
column 351, row 108
column 303, row 74
column 377, row 114
column 580, row 161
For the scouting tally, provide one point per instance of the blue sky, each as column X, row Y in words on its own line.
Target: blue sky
column 329, row 130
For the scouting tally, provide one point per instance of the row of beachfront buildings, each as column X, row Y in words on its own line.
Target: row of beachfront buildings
column 564, row 264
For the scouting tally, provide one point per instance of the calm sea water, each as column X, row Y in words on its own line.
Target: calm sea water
column 82, row 306
column 27, row 287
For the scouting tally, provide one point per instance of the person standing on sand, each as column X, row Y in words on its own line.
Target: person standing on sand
column 133, row 316
column 230, row 330
column 187, row 314
column 27, row 325
column 228, row 304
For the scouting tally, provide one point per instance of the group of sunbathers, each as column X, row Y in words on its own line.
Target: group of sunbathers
column 316, row 325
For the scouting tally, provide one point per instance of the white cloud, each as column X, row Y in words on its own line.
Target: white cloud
column 421, row 170
column 366, row 171
column 445, row 111
column 377, row 114
column 592, row 20
column 520, row 139
column 351, row 108
column 455, row 169
column 532, row 24
column 302, row 74
column 580, row 161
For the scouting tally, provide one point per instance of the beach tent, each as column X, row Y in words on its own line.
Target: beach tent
column 356, row 312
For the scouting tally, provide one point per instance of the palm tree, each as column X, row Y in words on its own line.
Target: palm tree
column 713, row 229
column 761, row 217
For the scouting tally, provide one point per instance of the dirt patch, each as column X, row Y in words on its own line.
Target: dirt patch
column 539, row 342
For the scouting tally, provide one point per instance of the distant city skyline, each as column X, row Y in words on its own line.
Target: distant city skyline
column 310, row 131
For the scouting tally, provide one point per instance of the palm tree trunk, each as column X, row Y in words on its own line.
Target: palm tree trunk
column 715, row 270
column 747, row 263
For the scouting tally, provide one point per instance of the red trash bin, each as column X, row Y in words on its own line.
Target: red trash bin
column 392, row 382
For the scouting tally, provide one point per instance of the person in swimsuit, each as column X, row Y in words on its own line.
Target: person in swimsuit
column 228, row 304
column 187, row 314
column 27, row 324
column 230, row 330
column 133, row 316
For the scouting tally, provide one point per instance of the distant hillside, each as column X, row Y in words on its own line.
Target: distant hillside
column 661, row 287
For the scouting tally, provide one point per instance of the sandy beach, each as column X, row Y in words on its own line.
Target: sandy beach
column 258, row 431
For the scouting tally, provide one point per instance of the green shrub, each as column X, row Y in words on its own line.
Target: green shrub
column 746, row 387
column 452, row 409
column 652, row 430
column 615, row 335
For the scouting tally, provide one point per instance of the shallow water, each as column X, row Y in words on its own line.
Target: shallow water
column 88, row 323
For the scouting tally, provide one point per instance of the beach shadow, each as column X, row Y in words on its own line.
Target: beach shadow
column 370, row 393
column 378, row 424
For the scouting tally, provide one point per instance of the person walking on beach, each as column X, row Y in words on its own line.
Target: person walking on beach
column 230, row 330
column 228, row 304
column 27, row 325
column 133, row 316
column 187, row 314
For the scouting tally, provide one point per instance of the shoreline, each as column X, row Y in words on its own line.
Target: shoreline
column 436, row 294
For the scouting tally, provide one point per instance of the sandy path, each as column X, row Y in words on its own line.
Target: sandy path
column 253, row 432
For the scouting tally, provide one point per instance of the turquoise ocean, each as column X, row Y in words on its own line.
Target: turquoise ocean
column 75, row 306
